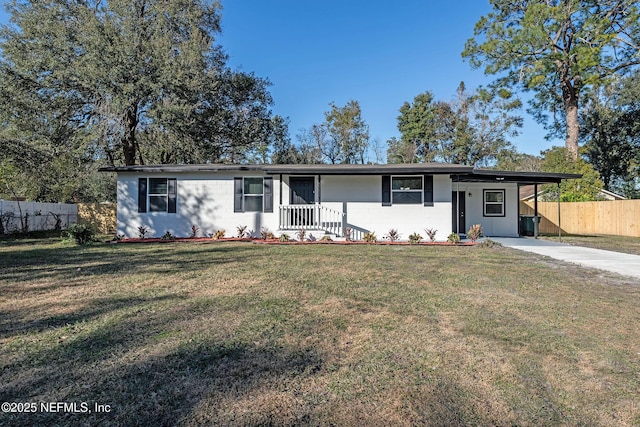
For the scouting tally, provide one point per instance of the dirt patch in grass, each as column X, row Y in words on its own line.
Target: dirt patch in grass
column 240, row 334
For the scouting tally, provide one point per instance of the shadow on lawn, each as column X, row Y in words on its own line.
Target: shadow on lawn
column 23, row 321
column 133, row 364
column 24, row 265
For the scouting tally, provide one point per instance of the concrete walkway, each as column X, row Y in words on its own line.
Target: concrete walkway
column 626, row 264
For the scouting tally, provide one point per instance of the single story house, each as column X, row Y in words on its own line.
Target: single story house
column 323, row 199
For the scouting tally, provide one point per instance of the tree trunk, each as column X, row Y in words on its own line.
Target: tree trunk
column 570, row 98
column 129, row 138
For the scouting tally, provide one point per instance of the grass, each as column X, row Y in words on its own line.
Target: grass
column 624, row 244
column 242, row 334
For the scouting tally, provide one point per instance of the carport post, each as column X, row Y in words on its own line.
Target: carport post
column 559, row 228
column 535, row 210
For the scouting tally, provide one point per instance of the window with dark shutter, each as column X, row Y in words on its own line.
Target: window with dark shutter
column 268, row 194
column 237, row 194
column 428, row 190
column 386, row 190
column 142, row 195
column 172, row 195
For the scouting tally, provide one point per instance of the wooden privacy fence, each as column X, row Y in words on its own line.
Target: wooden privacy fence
column 101, row 216
column 616, row 217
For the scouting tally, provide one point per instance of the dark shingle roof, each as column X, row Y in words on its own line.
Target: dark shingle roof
column 458, row 172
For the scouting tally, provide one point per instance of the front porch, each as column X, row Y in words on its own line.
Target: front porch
column 314, row 217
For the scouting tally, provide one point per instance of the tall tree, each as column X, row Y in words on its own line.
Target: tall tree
column 612, row 134
column 342, row 138
column 558, row 49
column 558, row 159
column 348, row 132
column 143, row 79
column 472, row 129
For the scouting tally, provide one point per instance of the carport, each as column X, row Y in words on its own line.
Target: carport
column 520, row 178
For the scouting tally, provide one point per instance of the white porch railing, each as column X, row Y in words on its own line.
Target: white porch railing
column 311, row 217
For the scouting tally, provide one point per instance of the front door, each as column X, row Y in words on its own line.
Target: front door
column 458, row 204
column 302, row 190
column 302, row 193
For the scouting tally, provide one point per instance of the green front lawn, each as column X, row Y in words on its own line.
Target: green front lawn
column 244, row 334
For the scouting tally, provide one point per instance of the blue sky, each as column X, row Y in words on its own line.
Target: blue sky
column 317, row 52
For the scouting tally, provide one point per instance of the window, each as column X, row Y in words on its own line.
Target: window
column 406, row 190
column 253, row 194
column 158, row 194
column 494, row 203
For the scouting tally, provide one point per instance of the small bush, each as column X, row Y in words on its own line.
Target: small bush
column 81, row 233
column 242, row 232
column 453, row 238
column 301, row 234
column 218, row 235
column 194, row 231
column 326, row 238
column 392, row 235
column 168, row 236
column 142, row 231
column 265, row 234
column 370, row 237
column 284, row 237
column 431, row 234
column 348, row 234
column 474, row 232
column 414, row 238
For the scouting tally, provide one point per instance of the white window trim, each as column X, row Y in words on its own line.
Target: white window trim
column 485, row 203
column 245, row 195
column 165, row 195
column 421, row 190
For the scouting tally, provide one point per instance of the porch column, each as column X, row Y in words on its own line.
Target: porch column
column 535, row 210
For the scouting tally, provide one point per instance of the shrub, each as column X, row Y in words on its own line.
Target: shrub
column 301, row 234
column 168, row 236
column 431, row 233
column 142, row 231
column 194, row 231
column 218, row 235
column 348, row 234
column 414, row 238
column 117, row 237
column 81, row 233
column 284, row 237
column 488, row 243
column 453, row 238
column 265, row 234
column 392, row 235
column 370, row 237
column 242, row 232
column 474, row 232
column 326, row 238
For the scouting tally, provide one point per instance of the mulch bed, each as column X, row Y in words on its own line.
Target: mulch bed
column 278, row 242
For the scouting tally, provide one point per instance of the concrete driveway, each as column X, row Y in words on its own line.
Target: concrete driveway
column 626, row 264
